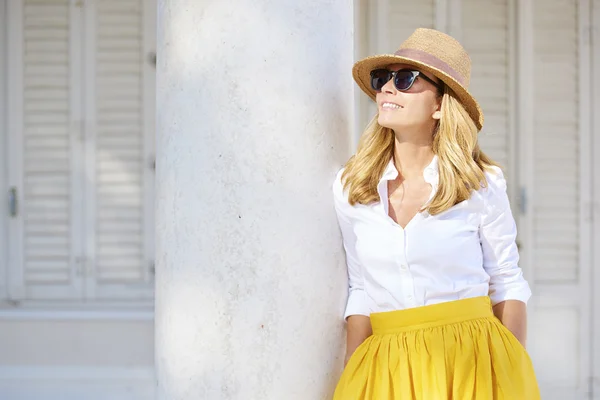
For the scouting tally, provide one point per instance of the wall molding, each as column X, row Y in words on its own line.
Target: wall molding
column 75, row 315
column 76, row 382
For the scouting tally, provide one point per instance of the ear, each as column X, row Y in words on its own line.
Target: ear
column 437, row 115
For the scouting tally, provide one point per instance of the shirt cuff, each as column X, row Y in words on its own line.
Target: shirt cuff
column 521, row 294
column 357, row 304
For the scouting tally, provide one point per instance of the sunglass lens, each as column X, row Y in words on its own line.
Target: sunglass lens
column 403, row 79
column 379, row 77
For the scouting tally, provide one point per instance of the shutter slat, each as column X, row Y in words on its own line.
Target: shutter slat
column 112, row 273
column 35, row 35
column 44, row 241
column 49, row 94
column 48, row 277
column 46, row 46
column 48, row 58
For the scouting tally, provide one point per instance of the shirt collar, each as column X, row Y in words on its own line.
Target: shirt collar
column 430, row 173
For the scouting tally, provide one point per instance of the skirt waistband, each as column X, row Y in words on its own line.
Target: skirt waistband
column 432, row 315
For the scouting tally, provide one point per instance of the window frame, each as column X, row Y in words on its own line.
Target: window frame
column 126, row 297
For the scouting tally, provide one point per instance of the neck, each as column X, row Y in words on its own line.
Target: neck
column 412, row 157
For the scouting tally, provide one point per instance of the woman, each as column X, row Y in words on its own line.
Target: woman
column 437, row 303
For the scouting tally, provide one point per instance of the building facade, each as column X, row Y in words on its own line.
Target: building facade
column 77, row 116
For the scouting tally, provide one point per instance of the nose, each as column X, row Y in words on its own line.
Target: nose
column 389, row 87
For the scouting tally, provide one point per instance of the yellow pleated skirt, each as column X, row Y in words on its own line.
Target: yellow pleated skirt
column 455, row 350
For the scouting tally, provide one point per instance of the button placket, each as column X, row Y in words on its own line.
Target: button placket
column 408, row 286
column 406, row 276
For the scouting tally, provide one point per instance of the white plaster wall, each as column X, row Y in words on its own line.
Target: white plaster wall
column 76, row 359
column 254, row 120
column 82, row 343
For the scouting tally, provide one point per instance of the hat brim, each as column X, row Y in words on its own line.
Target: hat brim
column 362, row 75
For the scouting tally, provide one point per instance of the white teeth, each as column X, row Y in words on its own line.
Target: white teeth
column 390, row 105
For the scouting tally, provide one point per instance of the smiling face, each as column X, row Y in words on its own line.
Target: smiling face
column 415, row 109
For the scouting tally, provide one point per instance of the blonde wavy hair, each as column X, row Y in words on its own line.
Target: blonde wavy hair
column 461, row 162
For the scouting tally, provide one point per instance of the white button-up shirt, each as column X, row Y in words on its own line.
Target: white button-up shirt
column 466, row 251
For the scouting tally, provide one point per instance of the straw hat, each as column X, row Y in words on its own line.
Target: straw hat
column 430, row 51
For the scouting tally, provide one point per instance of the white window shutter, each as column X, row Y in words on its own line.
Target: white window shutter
column 117, row 122
column 405, row 16
column 46, row 223
column 556, row 140
column 561, row 318
column 486, row 39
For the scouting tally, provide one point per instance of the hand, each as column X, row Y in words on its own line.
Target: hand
column 513, row 315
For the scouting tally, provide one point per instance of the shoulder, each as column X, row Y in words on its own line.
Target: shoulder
column 337, row 182
column 339, row 193
column 494, row 193
column 495, row 180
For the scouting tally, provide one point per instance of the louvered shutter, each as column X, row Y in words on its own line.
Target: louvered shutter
column 560, row 319
column 404, row 16
column 485, row 38
column 48, row 136
column 556, row 140
column 81, row 138
column 118, row 117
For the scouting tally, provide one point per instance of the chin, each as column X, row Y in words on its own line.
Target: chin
column 386, row 123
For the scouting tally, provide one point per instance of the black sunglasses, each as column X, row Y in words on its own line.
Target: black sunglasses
column 403, row 78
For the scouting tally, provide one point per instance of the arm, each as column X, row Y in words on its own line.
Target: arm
column 509, row 291
column 358, row 326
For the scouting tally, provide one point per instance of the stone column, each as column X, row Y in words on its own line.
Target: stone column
column 254, row 102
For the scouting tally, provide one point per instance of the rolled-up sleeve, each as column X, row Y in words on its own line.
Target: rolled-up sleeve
column 498, row 233
column 357, row 304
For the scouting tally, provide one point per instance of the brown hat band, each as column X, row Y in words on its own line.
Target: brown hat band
column 430, row 60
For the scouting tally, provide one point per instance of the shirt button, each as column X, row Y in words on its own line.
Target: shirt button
column 404, row 266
